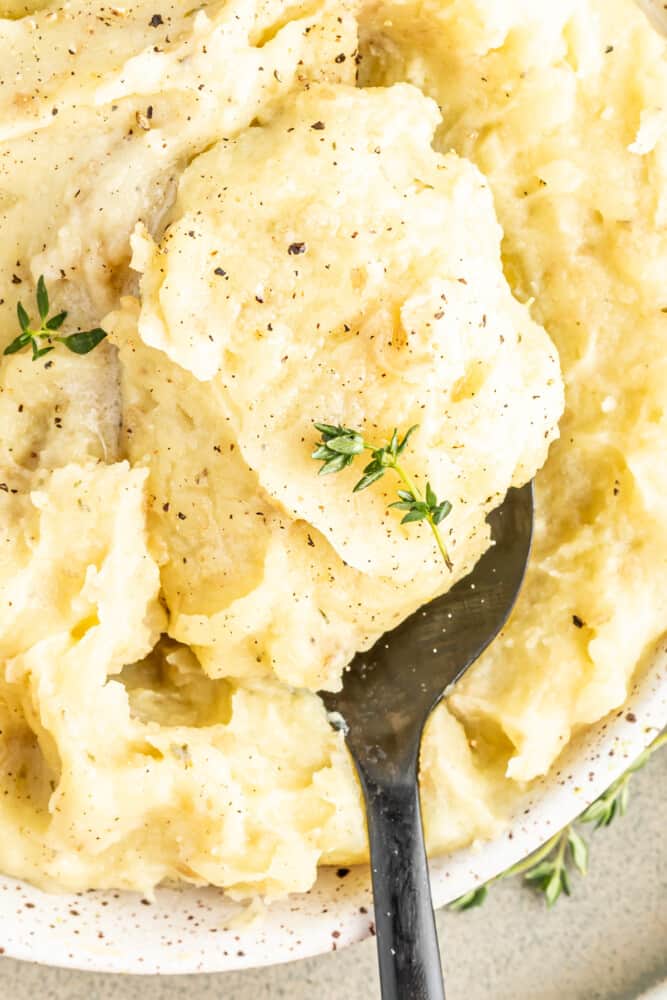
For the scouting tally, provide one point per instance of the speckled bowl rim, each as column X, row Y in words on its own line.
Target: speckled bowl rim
column 189, row 930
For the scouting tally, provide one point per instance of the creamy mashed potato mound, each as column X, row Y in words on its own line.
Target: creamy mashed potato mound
column 378, row 214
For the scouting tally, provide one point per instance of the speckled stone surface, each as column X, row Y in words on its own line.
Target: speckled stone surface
column 608, row 942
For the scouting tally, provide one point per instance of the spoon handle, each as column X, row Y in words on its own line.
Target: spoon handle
column 407, row 939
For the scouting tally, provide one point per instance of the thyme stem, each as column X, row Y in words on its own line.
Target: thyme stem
column 340, row 445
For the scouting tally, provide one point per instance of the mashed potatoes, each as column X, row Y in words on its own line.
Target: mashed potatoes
column 269, row 244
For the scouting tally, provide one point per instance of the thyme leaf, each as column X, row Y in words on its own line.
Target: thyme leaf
column 42, row 339
column 338, row 448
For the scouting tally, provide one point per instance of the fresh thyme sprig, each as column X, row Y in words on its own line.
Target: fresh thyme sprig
column 339, row 447
column 79, row 343
column 546, row 869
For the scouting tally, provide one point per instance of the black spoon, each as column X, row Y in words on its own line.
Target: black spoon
column 388, row 694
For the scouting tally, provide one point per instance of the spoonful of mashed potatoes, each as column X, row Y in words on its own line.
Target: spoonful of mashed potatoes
column 328, row 265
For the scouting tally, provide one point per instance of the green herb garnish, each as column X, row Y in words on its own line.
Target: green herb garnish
column 340, row 446
column 548, row 868
column 79, row 343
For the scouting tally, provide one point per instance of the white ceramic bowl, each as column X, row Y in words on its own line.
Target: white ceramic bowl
column 195, row 930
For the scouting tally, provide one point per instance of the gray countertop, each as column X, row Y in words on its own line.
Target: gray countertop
column 607, row 942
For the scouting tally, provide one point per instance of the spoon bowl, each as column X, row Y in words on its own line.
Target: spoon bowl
column 387, row 695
